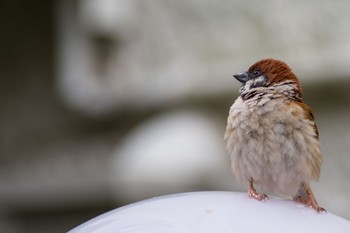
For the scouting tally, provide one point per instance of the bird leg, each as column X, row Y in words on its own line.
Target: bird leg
column 252, row 192
column 307, row 198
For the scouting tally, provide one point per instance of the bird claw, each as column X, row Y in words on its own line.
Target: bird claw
column 258, row 196
column 252, row 192
column 311, row 202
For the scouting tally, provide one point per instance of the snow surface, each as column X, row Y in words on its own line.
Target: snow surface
column 204, row 212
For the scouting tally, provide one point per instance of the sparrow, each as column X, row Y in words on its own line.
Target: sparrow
column 271, row 135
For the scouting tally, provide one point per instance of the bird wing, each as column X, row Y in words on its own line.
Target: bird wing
column 314, row 157
column 308, row 114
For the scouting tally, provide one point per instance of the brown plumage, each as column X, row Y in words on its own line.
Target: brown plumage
column 271, row 135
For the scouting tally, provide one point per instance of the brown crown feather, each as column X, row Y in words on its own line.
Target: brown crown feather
column 276, row 71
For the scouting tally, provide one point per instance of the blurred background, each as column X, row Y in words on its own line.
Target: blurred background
column 108, row 102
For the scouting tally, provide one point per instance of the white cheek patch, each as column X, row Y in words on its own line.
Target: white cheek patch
column 261, row 78
column 253, row 83
column 258, row 82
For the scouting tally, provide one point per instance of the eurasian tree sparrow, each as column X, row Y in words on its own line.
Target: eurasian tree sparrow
column 271, row 135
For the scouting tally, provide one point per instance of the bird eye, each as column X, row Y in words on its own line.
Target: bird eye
column 256, row 73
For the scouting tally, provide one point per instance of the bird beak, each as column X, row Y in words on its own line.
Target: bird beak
column 242, row 77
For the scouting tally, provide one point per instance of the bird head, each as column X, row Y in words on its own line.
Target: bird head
column 269, row 76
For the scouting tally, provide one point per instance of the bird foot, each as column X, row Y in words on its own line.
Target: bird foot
column 260, row 197
column 311, row 202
